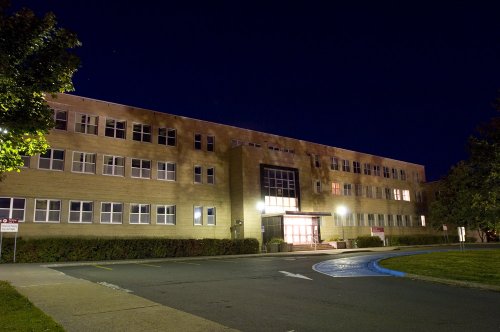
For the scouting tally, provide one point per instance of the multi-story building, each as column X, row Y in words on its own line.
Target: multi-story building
column 120, row 171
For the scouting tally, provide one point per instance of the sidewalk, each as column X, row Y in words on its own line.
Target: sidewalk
column 80, row 305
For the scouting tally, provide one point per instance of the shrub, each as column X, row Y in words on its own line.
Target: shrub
column 368, row 241
column 93, row 249
column 410, row 240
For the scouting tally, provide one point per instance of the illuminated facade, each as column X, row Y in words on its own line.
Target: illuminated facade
column 121, row 171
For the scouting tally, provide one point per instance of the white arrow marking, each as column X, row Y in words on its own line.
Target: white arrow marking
column 293, row 275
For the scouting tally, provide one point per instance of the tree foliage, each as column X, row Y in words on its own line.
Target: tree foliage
column 35, row 59
column 468, row 195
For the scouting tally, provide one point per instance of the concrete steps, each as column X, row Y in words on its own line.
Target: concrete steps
column 309, row 247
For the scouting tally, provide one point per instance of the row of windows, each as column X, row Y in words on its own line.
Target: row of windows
column 272, row 147
column 348, row 189
column 373, row 219
column 85, row 162
column 49, row 210
column 337, row 164
column 88, row 124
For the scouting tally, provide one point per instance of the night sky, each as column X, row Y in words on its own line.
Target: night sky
column 408, row 80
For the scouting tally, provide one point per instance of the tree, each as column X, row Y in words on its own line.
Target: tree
column 468, row 195
column 35, row 60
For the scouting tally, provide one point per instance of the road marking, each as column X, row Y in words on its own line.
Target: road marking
column 187, row 263
column 294, row 275
column 151, row 265
column 220, row 260
column 115, row 287
column 103, row 267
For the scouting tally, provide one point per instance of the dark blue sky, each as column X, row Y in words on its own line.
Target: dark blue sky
column 408, row 80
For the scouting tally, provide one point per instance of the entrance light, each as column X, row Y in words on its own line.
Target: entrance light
column 261, row 206
column 341, row 210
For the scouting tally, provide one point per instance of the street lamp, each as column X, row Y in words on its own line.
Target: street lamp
column 342, row 211
column 261, row 206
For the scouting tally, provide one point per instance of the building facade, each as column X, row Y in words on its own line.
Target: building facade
column 121, row 171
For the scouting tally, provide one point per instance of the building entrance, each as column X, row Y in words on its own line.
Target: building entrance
column 300, row 229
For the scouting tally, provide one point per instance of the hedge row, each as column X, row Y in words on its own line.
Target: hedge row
column 409, row 240
column 369, row 242
column 94, row 249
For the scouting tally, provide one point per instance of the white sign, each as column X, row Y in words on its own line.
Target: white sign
column 9, row 225
column 378, row 231
column 445, row 228
column 461, row 234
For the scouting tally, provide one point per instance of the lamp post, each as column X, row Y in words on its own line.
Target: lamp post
column 342, row 211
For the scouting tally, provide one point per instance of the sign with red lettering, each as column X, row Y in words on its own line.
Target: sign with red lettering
column 9, row 225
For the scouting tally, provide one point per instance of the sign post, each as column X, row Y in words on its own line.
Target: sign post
column 9, row 225
column 445, row 231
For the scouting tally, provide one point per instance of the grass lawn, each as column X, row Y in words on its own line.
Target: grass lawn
column 19, row 314
column 481, row 266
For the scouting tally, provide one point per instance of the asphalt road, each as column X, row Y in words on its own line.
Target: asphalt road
column 286, row 294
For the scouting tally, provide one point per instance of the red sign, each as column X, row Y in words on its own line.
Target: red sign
column 377, row 229
column 9, row 220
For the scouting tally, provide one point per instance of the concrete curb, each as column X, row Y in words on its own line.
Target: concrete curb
column 387, row 271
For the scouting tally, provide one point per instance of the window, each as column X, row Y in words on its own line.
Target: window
column 367, row 168
column 197, row 141
column 113, row 165
column 86, row 124
column 84, row 162
column 165, row 214
column 52, row 159
column 360, row 217
column 141, row 132
column 418, row 197
column 12, row 208
column 115, row 128
column 347, row 189
column 47, row 210
column 335, row 188
column 388, row 193
column 371, row 219
column 349, row 219
column 406, row 221
column 211, row 143
column 390, row 220
column 381, row 221
column 386, row 172
column 81, row 211
column 317, row 162
column 198, row 215
column 211, row 216
column 111, row 213
column 26, row 160
column 369, row 191
column 378, row 192
column 397, row 194
column 141, row 168
column 139, row 213
column 376, row 170
column 402, row 174
column 197, row 174
column 166, row 171
column 61, row 120
column 399, row 220
column 280, row 188
column 167, row 136
column 406, row 195
column 394, row 173
column 317, row 186
column 346, row 166
column 356, row 167
column 337, row 218
column 211, row 175
column 358, row 190
column 416, row 176
column 334, row 165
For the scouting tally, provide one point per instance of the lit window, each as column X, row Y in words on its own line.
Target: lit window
column 113, row 165
column 198, row 215
column 335, row 188
column 211, row 143
column 141, row 132
column 166, row 171
column 115, row 128
column 356, row 167
column 347, row 189
column 141, row 168
column 197, row 141
column 111, row 213
column 139, row 214
column 47, row 210
column 334, row 165
column 52, row 159
column 165, row 214
column 84, row 162
column 211, row 175
column 211, row 216
column 167, row 136
column 346, row 166
column 61, row 119
column 81, row 211
column 397, row 194
column 406, row 195
column 12, row 208
column 422, row 220
column 86, row 124
column 197, row 174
